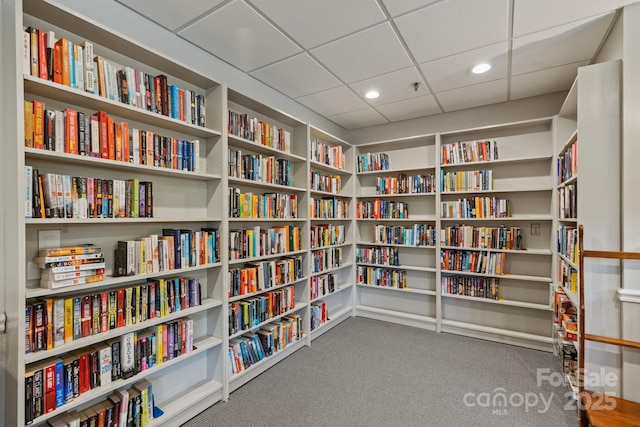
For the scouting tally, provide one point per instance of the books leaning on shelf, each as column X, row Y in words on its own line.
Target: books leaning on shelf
column 478, row 180
column 259, row 168
column 326, row 183
column 70, row 270
column 568, row 163
column 326, row 259
column 416, row 235
column 250, row 348
column 255, row 130
column 568, row 201
column 248, row 313
column 473, row 261
column 568, row 276
column 467, row 152
column 319, row 314
column 385, row 255
column 330, row 155
column 477, row 207
column 568, row 243
column 406, row 184
column 254, row 242
column 381, row 209
column 382, row 277
column 268, row 205
column 74, row 65
column 321, row 285
column 326, row 235
column 53, row 322
column 328, row 208
column 264, row 275
column 370, row 162
column 468, row 236
column 477, row 287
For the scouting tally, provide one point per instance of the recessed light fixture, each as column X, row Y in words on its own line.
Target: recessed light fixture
column 481, row 68
column 372, row 94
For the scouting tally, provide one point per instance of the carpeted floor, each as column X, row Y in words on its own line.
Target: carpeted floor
column 370, row 373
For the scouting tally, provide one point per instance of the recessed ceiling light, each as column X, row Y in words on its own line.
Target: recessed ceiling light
column 481, row 68
column 372, row 94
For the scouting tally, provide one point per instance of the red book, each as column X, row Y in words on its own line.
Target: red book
column 38, row 124
column 104, row 312
column 63, row 46
column 43, row 71
column 126, row 154
column 103, row 134
column 157, row 83
column 120, row 308
column 50, row 388
column 57, row 63
column 181, row 103
column 70, row 131
column 118, row 141
column 85, row 320
column 111, row 144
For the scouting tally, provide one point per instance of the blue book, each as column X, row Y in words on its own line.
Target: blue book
column 72, row 66
column 60, row 395
column 175, row 101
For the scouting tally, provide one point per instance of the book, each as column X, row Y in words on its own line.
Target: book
column 70, row 250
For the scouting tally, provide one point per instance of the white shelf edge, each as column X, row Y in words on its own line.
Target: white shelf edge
column 329, row 194
column 499, row 276
column 505, row 190
column 110, row 221
column 532, row 306
column 267, row 219
column 329, row 219
column 252, row 183
column 299, row 306
column 628, row 295
column 405, row 290
column 498, row 331
column 510, row 218
column 389, row 196
column 314, row 164
column 411, row 219
column 196, row 395
column 396, row 171
column 238, row 141
column 338, row 289
column 334, row 317
column 387, row 312
column 508, row 251
column 396, row 245
column 320, row 273
column 265, row 257
column 568, row 261
column 337, row 245
column 499, row 161
column 252, row 294
column 399, row 267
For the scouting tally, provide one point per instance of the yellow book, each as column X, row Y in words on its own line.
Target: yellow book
column 68, row 320
column 159, row 350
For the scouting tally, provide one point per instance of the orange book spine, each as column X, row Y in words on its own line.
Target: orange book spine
column 43, row 71
column 111, row 145
column 104, row 144
column 70, row 131
column 63, row 45
column 125, row 143
column 38, row 124
column 118, row 141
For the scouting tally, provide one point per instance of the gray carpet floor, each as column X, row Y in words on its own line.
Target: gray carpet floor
column 370, row 373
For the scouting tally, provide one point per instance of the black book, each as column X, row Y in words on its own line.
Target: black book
column 28, row 398
column 49, row 130
column 83, row 149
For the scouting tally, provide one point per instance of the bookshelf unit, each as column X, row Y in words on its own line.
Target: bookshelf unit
column 258, row 173
column 189, row 383
column 396, row 277
column 497, row 291
column 331, row 288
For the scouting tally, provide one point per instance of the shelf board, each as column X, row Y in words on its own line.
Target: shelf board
column 75, row 97
column 333, row 318
column 315, row 165
column 508, row 251
column 544, row 307
column 267, row 219
column 501, row 190
column 386, row 312
column 407, row 171
column 329, row 194
column 337, row 245
column 242, row 143
column 265, row 257
column 330, row 219
column 110, row 221
column 573, row 296
column 299, row 306
column 416, row 219
column 498, row 331
column 568, row 181
column 330, row 270
column 177, row 405
column 395, row 245
column 207, row 304
column 571, row 220
column 273, row 288
column 568, row 261
column 399, row 267
column 405, row 290
column 75, row 159
column 338, row 289
column 511, row 218
column 499, row 276
column 500, row 161
column 111, row 281
column 385, row 196
column 201, row 345
column 249, row 182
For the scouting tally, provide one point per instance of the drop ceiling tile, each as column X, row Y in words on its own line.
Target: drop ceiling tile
column 239, row 35
column 454, row 26
column 358, row 119
column 334, row 101
column 455, row 71
column 544, row 81
column 560, row 45
column 398, row 7
column 170, row 13
column 313, row 22
column 365, row 54
column 297, row 76
column 410, row 108
column 394, row 86
column 531, row 16
column 473, row 96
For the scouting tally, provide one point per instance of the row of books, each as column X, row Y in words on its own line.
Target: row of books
column 567, row 166
column 326, row 259
column 328, row 208
column 256, row 167
column 564, row 314
column 381, row 209
column 133, row 407
column 245, row 314
column 253, row 129
column 53, row 322
column 477, row 207
column 473, row 261
column 319, row 314
column 53, row 195
column 567, row 276
column 75, row 65
column 469, row 236
column 415, row 235
column 383, row 255
column 260, row 276
column 70, row 270
column 568, row 243
column 321, row 285
column 383, row 277
column 406, row 184
column 330, row 155
column 468, row 151
column 327, row 183
column 479, row 287
column 478, row 180
column 254, row 242
column 99, row 135
column 326, row 234
column 373, row 162
column 268, row 205
column 568, row 201
column 250, row 348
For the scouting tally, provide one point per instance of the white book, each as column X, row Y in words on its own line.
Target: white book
column 88, row 66
column 116, row 197
column 28, row 190
column 123, row 199
column 58, row 129
column 124, row 404
column 196, row 155
column 95, row 135
column 127, row 354
column 68, row 202
column 60, row 195
column 79, row 60
column 155, row 253
column 58, row 322
column 139, row 268
column 135, row 145
column 26, row 52
column 104, row 356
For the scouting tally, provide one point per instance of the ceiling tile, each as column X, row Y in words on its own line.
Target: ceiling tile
column 561, row 45
column 544, row 81
column 398, row 7
column 313, row 22
column 452, row 27
column 455, row 71
column 239, row 35
column 410, row 108
column 358, row 119
column 531, row 16
column 392, row 87
column 297, row 76
column 334, row 101
column 365, row 54
column 473, row 96
column 170, row 13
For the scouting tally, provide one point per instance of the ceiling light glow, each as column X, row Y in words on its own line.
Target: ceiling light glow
column 481, row 68
column 372, row 94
